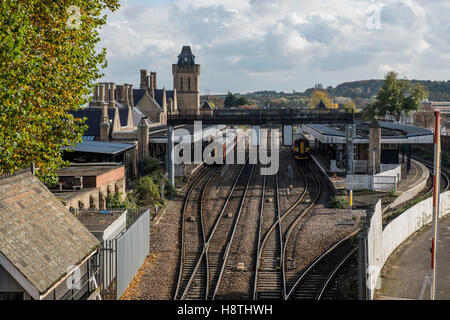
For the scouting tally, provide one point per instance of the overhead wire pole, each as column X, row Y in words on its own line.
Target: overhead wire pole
column 436, row 197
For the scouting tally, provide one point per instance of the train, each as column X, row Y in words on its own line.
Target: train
column 301, row 148
column 227, row 142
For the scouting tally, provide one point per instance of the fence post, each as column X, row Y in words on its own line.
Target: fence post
column 362, row 264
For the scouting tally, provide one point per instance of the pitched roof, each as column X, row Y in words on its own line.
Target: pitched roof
column 137, row 95
column 321, row 105
column 206, row 106
column 38, row 235
column 186, row 58
column 94, row 117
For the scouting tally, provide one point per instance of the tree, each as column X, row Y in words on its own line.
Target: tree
column 318, row 95
column 48, row 64
column 397, row 96
column 241, row 101
column 147, row 191
column 350, row 105
column 230, row 100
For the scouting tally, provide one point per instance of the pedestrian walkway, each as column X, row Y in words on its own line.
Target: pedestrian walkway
column 404, row 272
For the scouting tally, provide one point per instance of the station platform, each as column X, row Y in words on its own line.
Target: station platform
column 410, row 185
column 404, row 272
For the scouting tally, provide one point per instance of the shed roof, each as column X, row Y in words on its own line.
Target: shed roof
column 38, row 235
column 111, row 148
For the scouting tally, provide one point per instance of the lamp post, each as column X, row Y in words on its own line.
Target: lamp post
column 436, row 197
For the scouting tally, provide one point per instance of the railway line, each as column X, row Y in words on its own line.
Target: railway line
column 313, row 282
column 205, row 261
column 200, row 277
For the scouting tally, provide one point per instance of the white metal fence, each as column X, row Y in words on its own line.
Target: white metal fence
column 133, row 246
column 379, row 243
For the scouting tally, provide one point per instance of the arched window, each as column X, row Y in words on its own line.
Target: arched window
column 181, row 83
column 189, row 83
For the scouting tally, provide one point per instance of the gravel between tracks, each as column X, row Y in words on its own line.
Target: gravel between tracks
column 319, row 230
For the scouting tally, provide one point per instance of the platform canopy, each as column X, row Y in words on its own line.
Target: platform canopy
column 391, row 133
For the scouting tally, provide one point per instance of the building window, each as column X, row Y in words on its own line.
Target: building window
column 181, row 83
column 189, row 83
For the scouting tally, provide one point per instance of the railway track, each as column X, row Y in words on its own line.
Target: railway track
column 270, row 272
column 289, row 270
column 200, row 273
column 192, row 211
column 313, row 282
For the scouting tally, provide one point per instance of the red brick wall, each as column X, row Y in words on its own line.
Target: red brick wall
column 110, row 176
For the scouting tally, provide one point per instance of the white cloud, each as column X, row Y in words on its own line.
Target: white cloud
column 246, row 45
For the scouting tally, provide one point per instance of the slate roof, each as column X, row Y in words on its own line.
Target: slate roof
column 186, row 58
column 38, row 235
column 94, row 117
column 110, row 148
column 137, row 95
column 321, row 105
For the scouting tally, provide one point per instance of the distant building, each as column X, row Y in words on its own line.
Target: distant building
column 86, row 186
column 186, row 81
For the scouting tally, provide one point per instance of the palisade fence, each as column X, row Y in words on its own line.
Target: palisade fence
column 120, row 258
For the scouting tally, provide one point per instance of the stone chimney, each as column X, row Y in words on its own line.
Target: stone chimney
column 104, row 124
column 130, row 95
column 119, row 93
column 111, row 96
column 94, row 101
column 143, row 139
column 126, row 101
column 144, row 79
column 374, row 147
column 153, row 80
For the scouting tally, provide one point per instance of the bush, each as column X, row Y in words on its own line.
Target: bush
column 151, row 165
column 147, row 192
column 339, row 202
column 114, row 201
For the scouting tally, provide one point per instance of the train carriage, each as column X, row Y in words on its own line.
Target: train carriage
column 301, row 148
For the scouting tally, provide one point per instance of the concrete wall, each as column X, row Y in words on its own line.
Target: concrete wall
column 411, row 193
column 381, row 243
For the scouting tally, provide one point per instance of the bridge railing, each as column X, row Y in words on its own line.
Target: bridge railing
column 264, row 116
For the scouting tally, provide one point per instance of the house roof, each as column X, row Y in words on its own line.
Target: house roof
column 38, row 235
column 206, row 106
column 94, row 117
column 110, row 148
column 321, row 105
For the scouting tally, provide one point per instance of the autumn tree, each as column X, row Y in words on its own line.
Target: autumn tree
column 396, row 97
column 49, row 63
column 318, row 95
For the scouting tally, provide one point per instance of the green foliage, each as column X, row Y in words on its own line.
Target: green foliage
column 47, row 67
column 339, row 202
column 115, row 201
column 151, row 165
column 397, row 96
column 147, row 191
column 230, row 100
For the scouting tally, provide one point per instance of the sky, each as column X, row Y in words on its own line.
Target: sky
column 283, row 45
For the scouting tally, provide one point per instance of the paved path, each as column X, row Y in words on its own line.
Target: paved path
column 405, row 270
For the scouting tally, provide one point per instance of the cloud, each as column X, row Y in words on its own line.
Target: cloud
column 278, row 44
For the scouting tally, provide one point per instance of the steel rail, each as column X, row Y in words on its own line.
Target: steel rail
column 312, row 265
column 299, row 218
column 183, row 251
column 204, row 252
column 331, row 275
column 227, row 250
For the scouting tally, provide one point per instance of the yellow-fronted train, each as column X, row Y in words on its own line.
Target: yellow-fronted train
column 301, row 148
